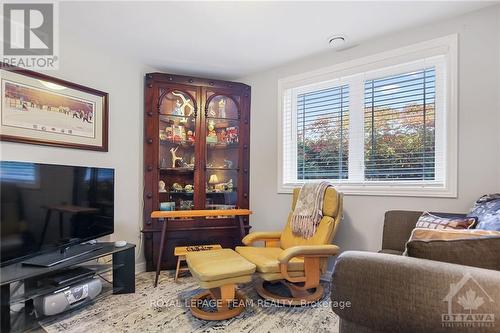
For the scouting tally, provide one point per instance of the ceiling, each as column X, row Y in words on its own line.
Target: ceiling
column 233, row 39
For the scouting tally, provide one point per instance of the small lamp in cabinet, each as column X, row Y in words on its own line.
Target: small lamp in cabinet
column 214, row 180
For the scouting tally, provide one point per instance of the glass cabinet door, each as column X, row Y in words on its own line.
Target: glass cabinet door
column 177, row 133
column 222, row 152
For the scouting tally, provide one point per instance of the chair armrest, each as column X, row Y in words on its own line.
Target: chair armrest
column 389, row 293
column 308, row 251
column 261, row 236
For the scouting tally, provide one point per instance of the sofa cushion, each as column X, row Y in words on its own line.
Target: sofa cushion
column 478, row 248
column 431, row 221
column 487, row 212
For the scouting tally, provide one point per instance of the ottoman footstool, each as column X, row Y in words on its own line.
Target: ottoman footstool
column 219, row 271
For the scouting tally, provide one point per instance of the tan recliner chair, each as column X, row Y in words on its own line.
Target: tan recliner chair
column 295, row 262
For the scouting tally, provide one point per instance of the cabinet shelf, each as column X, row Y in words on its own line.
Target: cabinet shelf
column 175, row 116
column 221, row 192
column 183, row 143
column 223, row 145
column 223, row 169
column 177, row 193
column 219, row 118
column 177, row 170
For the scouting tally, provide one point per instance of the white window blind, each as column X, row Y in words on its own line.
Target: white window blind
column 400, row 126
column 322, row 133
column 383, row 127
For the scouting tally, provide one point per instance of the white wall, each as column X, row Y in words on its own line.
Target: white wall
column 123, row 81
column 479, row 146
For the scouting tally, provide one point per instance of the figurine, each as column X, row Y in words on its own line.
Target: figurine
column 228, row 164
column 161, row 185
column 222, row 108
column 163, row 135
column 189, row 188
column 212, row 136
column 163, row 163
column 232, row 134
column 190, row 136
column 175, row 158
column 221, row 135
column 177, row 109
column 180, row 109
column 177, row 187
column 211, row 112
column 229, row 185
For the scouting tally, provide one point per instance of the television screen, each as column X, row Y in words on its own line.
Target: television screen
column 45, row 207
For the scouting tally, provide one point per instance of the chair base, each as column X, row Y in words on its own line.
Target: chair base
column 299, row 297
column 223, row 312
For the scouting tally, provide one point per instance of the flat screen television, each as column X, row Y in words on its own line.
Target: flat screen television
column 47, row 207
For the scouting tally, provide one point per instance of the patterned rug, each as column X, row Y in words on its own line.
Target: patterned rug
column 163, row 309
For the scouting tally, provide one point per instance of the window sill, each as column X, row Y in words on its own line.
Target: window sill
column 389, row 190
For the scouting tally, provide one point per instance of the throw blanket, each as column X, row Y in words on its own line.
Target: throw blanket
column 308, row 210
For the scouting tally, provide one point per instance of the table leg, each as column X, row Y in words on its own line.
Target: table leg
column 5, row 307
column 177, row 269
column 160, row 253
column 242, row 226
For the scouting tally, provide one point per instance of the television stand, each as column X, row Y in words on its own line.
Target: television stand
column 57, row 257
column 123, row 270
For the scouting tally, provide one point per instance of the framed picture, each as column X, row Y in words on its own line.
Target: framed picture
column 39, row 109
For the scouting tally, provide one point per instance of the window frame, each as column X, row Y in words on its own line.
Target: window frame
column 378, row 65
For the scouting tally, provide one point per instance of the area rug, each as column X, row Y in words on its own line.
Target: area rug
column 163, row 309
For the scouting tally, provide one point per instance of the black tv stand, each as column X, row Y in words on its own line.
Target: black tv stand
column 68, row 253
column 122, row 267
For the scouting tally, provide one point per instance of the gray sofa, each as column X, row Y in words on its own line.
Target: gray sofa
column 389, row 292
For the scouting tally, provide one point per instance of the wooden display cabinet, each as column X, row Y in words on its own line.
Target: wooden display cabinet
column 196, row 156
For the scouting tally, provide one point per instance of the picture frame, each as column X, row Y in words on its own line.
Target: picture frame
column 39, row 109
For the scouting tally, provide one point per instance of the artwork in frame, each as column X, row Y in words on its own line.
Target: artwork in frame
column 39, row 109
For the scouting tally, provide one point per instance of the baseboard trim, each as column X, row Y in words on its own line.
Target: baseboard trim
column 140, row 267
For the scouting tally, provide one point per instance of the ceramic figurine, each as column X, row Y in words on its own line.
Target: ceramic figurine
column 180, row 109
column 175, row 158
column 222, row 108
column 190, row 136
column 230, row 185
column 177, row 109
column 212, row 135
column 177, row 187
column 163, row 163
column 228, row 164
column 189, row 188
column 161, row 186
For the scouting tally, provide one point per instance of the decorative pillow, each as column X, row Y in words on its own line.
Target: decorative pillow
column 425, row 234
column 487, row 212
column 478, row 248
column 431, row 221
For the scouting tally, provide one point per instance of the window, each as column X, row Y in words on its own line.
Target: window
column 322, row 133
column 400, row 126
column 384, row 125
column 19, row 173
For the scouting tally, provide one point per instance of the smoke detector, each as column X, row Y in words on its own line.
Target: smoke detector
column 337, row 42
